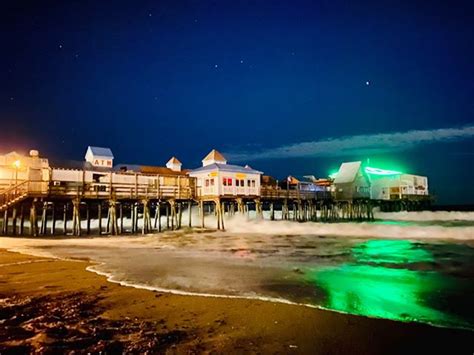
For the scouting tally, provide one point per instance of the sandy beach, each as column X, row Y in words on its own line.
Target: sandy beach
column 55, row 305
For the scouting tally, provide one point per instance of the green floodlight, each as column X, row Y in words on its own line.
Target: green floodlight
column 333, row 175
column 377, row 171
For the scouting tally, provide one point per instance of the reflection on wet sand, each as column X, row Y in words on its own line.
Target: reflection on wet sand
column 382, row 282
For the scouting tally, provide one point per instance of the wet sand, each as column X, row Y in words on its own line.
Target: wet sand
column 50, row 305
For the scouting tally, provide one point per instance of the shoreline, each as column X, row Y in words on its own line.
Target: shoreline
column 200, row 324
column 110, row 278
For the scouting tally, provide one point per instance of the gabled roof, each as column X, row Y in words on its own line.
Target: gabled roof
column 347, row 172
column 174, row 160
column 101, row 152
column 226, row 167
column 13, row 153
column 214, row 155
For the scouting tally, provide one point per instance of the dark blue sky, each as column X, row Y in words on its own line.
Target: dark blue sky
column 160, row 78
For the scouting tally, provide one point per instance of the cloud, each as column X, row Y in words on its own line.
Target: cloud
column 350, row 145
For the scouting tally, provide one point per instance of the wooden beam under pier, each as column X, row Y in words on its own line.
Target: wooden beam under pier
column 76, row 217
column 99, row 217
column 121, row 218
column 14, row 220
column 88, row 219
column 190, row 205
column 22, row 219
column 5, row 222
column 65, row 218
column 53, row 219
column 201, row 205
column 33, row 220
column 44, row 216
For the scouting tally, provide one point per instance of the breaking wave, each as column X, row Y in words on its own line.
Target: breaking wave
column 113, row 278
column 238, row 224
column 425, row 216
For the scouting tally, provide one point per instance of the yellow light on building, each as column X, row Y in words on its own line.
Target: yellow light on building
column 17, row 164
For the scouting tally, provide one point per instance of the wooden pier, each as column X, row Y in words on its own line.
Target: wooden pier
column 38, row 199
column 46, row 203
column 75, row 205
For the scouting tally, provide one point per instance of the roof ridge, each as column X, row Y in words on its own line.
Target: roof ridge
column 215, row 155
column 174, row 160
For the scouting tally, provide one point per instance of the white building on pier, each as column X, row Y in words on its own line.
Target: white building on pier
column 216, row 178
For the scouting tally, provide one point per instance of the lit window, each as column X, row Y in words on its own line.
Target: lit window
column 224, row 181
column 229, row 182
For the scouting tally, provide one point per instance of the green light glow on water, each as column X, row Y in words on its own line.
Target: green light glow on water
column 380, row 292
column 390, row 251
column 380, row 283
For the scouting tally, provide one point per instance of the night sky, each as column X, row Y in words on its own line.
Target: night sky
column 161, row 78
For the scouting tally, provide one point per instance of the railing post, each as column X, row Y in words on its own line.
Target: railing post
column 157, row 187
column 83, row 182
column 110, row 186
column 136, row 185
column 179, row 186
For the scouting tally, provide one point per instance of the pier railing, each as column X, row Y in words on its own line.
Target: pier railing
column 270, row 192
column 175, row 188
column 121, row 191
column 13, row 194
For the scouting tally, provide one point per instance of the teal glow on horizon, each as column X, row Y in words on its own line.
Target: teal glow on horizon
column 371, row 171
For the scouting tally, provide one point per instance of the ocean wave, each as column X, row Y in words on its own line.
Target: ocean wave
column 115, row 279
column 239, row 224
column 425, row 216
